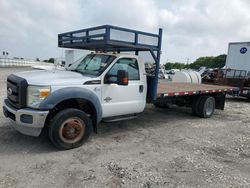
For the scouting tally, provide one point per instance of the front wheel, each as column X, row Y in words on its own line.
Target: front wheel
column 69, row 128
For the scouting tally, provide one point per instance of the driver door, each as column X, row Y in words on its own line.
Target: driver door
column 123, row 100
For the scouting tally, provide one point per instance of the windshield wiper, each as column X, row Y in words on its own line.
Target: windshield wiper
column 75, row 70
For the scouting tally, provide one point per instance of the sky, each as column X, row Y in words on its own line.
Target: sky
column 191, row 28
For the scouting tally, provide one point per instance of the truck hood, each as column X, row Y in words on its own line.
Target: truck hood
column 53, row 77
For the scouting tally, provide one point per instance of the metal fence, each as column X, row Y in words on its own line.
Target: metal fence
column 9, row 62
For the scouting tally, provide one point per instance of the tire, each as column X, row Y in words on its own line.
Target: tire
column 206, row 106
column 70, row 128
column 195, row 105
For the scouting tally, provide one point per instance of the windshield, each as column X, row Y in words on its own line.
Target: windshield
column 94, row 64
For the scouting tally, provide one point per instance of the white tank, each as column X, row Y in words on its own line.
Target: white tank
column 198, row 75
column 187, row 77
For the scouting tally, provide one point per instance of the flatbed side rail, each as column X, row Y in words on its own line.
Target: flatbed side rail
column 197, row 92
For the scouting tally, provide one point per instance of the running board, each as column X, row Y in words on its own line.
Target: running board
column 119, row 118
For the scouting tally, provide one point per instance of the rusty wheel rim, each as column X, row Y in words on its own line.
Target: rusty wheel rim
column 72, row 130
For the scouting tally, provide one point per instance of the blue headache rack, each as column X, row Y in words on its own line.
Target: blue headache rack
column 109, row 38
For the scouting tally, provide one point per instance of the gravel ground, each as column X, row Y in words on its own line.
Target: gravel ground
column 162, row 148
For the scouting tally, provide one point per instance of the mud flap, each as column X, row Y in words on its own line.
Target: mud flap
column 220, row 101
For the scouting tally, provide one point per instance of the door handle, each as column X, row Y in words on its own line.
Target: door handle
column 141, row 88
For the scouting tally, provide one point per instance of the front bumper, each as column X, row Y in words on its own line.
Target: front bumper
column 27, row 121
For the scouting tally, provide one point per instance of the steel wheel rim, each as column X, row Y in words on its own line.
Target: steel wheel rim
column 72, row 130
column 209, row 107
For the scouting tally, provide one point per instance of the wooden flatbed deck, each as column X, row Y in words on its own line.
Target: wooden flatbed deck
column 179, row 89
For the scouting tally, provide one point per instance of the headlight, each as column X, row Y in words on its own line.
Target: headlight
column 36, row 94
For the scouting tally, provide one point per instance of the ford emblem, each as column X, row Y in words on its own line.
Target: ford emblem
column 9, row 91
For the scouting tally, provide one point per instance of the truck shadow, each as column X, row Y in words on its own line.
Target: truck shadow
column 13, row 142
column 237, row 99
column 151, row 118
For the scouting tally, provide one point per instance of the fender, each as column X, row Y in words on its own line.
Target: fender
column 63, row 94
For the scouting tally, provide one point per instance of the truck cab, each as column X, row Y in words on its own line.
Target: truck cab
column 106, row 85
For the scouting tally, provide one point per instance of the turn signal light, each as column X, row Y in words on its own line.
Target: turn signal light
column 44, row 93
column 125, row 80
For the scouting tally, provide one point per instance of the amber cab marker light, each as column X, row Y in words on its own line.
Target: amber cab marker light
column 125, row 80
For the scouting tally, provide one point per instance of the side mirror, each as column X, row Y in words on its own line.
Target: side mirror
column 122, row 77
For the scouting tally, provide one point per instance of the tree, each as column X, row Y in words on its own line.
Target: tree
column 209, row 62
column 37, row 59
column 51, row 60
column 220, row 61
column 175, row 65
column 202, row 62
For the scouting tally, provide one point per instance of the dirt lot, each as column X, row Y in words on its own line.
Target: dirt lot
column 162, row 148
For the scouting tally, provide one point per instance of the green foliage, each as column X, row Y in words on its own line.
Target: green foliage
column 220, row 61
column 176, row 65
column 51, row 60
column 209, row 62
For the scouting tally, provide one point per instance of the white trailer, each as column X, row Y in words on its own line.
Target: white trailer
column 237, row 68
column 238, row 56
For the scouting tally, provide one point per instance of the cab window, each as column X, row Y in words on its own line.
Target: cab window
column 128, row 64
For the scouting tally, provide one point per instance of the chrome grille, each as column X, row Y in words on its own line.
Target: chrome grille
column 17, row 91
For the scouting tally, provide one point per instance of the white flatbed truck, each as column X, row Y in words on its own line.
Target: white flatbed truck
column 107, row 85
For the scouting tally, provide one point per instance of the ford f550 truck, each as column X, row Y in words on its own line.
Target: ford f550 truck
column 106, row 85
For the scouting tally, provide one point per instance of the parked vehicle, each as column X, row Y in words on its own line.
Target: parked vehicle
column 238, row 56
column 236, row 72
column 107, row 85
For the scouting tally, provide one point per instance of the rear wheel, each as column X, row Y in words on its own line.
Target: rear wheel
column 206, row 106
column 70, row 128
